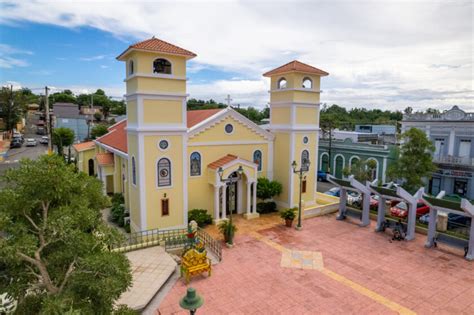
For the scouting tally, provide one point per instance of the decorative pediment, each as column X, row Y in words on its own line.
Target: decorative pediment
column 221, row 116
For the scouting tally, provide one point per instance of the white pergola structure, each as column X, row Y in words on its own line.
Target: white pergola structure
column 464, row 208
column 399, row 194
column 353, row 185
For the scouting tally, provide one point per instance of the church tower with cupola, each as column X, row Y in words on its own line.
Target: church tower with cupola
column 294, row 120
column 156, row 133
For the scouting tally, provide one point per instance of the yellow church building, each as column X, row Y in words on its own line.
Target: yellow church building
column 167, row 160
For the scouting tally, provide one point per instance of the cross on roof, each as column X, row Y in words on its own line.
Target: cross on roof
column 228, row 99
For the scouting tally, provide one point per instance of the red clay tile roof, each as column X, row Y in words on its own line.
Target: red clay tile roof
column 158, row 45
column 194, row 117
column 84, row 146
column 295, row 66
column 223, row 161
column 105, row 158
column 116, row 137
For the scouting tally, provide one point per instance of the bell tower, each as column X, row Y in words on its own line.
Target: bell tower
column 294, row 119
column 156, row 133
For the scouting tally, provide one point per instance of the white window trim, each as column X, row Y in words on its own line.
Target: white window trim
column 343, row 163
column 233, row 129
column 321, row 160
column 153, row 68
column 189, row 165
column 261, row 159
column 158, row 144
column 157, row 176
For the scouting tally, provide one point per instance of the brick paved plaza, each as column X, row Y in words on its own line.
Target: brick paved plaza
column 330, row 267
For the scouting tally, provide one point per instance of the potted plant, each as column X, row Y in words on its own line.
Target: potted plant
column 228, row 229
column 288, row 215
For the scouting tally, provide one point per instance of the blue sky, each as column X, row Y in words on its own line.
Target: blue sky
column 380, row 54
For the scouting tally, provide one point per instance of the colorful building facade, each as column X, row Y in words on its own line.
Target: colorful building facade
column 167, row 160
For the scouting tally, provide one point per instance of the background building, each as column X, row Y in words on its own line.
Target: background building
column 68, row 115
column 378, row 129
column 344, row 153
column 452, row 134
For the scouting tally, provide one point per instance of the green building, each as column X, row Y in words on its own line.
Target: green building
column 344, row 153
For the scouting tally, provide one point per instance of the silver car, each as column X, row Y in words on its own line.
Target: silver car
column 30, row 142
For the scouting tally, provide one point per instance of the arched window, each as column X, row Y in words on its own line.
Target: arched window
column 161, row 65
column 307, row 83
column 305, row 160
column 282, row 83
column 134, row 171
column 130, row 67
column 324, row 162
column 164, row 172
column 91, row 167
column 257, row 159
column 195, row 164
column 353, row 161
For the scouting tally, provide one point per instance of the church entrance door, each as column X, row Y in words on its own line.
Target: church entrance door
column 231, row 195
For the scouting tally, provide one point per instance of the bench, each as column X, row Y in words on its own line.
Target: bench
column 194, row 263
column 452, row 241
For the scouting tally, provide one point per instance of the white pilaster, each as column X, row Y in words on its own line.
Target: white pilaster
column 224, row 202
column 451, row 142
column 254, row 197
column 248, row 197
column 216, row 203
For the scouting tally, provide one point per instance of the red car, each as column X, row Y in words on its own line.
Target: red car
column 401, row 209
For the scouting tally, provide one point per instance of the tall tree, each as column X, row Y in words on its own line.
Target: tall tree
column 362, row 170
column 12, row 107
column 414, row 162
column 62, row 137
column 98, row 131
column 53, row 243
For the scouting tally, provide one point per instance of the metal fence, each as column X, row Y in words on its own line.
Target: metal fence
column 170, row 239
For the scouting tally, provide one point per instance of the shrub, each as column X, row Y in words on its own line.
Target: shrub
column 266, row 207
column 127, row 228
column 288, row 214
column 267, row 189
column 201, row 217
column 117, row 214
column 117, row 199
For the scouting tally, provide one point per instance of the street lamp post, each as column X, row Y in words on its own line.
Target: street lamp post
column 191, row 301
column 303, row 169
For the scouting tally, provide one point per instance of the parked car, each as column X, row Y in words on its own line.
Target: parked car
column 44, row 140
column 401, row 209
column 454, row 220
column 18, row 137
column 374, row 201
column 30, row 142
column 15, row 144
column 353, row 198
column 322, row 176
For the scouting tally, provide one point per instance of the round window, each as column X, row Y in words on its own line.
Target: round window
column 164, row 173
column 163, row 144
column 229, row 128
column 305, row 140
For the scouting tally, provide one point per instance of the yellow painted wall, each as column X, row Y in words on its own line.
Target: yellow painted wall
column 216, row 133
column 305, row 96
column 200, row 190
column 295, row 80
column 134, row 196
column 162, row 111
column 154, row 194
column 310, row 178
column 143, row 62
column 83, row 160
column 153, row 85
column 281, row 115
column 306, row 115
column 132, row 112
column 281, row 163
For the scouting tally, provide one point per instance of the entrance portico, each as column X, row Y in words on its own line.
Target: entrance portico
column 231, row 197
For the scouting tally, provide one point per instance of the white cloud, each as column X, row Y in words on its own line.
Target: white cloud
column 93, row 58
column 9, row 57
column 103, row 66
column 379, row 53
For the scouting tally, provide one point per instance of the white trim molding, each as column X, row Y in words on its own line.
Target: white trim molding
column 156, row 76
column 296, row 89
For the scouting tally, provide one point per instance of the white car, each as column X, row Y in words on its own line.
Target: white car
column 44, row 140
column 30, row 142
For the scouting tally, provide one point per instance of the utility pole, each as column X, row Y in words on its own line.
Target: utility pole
column 48, row 122
column 330, row 147
column 10, row 110
column 91, row 116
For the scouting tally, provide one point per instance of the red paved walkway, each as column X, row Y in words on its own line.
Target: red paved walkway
column 364, row 273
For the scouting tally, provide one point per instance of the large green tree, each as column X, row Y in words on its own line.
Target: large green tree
column 98, row 131
column 12, row 107
column 414, row 162
column 362, row 170
column 54, row 256
column 62, row 137
column 267, row 189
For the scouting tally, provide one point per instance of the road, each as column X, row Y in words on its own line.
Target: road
column 15, row 155
column 324, row 186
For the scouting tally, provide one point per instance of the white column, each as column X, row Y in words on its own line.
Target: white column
column 248, row 196
column 216, row 203
column 451, row 143
column 224, row 192
column 254, row 197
